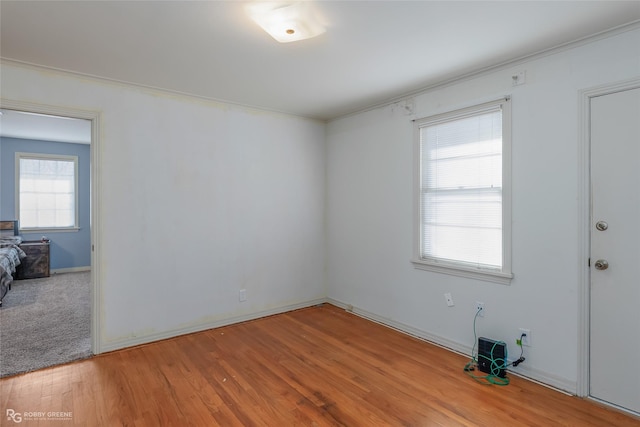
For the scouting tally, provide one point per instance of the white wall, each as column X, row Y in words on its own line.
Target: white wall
column 369, row 212
column 197, row 201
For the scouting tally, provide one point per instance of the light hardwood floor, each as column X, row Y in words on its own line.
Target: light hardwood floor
column 319, row 366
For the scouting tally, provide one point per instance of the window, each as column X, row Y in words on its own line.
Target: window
column 47, row 191
column 463, row 192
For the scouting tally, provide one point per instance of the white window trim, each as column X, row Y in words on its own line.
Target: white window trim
column 505, row 275
column 38, row 156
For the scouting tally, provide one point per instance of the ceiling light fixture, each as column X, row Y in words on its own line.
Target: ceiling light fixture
column 286, row 22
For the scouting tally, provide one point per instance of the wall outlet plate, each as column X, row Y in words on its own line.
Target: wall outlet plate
column 242, row 295
column 449, row 299
column 526, row 341
column 519, row 78
column 480, row 308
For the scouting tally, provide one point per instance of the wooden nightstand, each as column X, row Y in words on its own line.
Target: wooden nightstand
column 36, row 264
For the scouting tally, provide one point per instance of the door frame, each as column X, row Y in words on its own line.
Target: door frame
column 584, row 224
column 94, row 117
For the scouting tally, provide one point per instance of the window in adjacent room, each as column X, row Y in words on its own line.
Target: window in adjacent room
column 47, row 191
column 463, row 197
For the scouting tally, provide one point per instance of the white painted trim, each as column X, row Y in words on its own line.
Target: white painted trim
column 71, row 270
column 584, row 221
column 147, row 338
column 50, row 230
column 455, row 270
column 96, row 231
column 96, row 234
column 584, row 249
column 522, row 370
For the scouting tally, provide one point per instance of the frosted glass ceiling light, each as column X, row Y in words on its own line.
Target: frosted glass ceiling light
column 286, row 22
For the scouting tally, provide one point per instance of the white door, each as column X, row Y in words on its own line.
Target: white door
column 614, row 375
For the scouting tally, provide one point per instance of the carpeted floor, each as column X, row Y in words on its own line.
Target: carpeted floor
column 45, row 322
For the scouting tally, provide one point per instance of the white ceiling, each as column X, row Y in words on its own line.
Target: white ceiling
column 19, row 124
column 372, row 52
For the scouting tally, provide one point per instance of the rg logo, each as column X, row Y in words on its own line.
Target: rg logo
column 16, row 417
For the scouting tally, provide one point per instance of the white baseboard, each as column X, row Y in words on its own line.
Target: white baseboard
column 70, row 270
column 536, row 375
column 145, row 339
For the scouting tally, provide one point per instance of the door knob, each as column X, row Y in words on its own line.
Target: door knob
column 601, row 225
column 601, row 264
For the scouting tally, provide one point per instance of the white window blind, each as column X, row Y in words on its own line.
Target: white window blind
column 461, row 193
column 47, row 191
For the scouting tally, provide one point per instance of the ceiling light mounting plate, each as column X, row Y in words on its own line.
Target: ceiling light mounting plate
column 286, row 21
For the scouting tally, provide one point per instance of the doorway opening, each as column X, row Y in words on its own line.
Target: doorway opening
column 56, row 132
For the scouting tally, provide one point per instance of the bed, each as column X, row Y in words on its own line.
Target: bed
column 10, row 255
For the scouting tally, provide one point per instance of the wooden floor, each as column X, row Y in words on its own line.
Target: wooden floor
column 319, row 366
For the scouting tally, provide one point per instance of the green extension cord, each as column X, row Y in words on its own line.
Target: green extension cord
column 496, row 364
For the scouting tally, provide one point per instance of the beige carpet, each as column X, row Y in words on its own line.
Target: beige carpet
column 45, row 322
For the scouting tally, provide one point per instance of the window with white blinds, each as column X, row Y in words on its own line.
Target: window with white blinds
column 463, row 188
column 47, row 191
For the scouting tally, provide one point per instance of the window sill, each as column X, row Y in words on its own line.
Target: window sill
column 50, row 230
column 485, row 275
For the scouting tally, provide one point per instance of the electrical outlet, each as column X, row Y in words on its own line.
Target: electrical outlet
column 526, row 340
column 242, row 295
column 449, row 299
column 480, row 308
